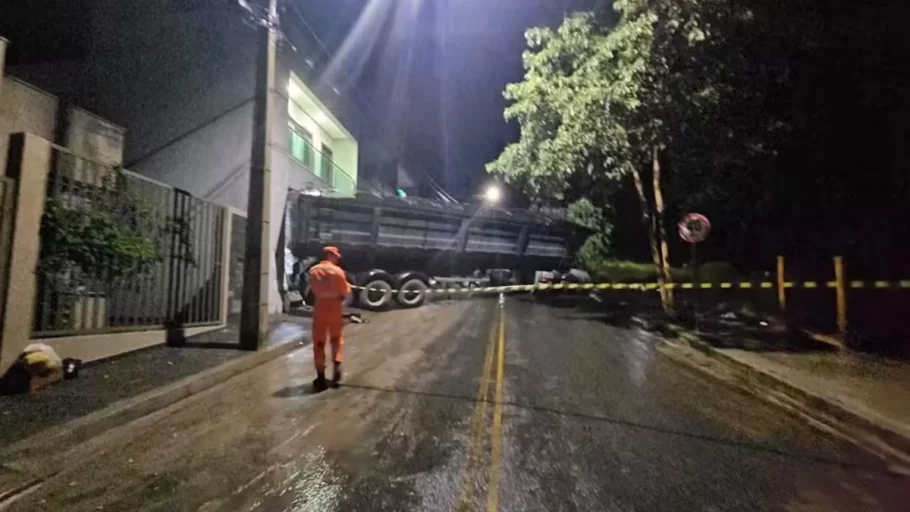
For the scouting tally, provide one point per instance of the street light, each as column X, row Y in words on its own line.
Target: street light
column 493, row 194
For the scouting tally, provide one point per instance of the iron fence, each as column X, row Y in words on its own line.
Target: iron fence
column 122, row 252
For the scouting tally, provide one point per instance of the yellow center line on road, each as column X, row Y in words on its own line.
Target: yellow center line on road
column 475, row 442
column 496, row 451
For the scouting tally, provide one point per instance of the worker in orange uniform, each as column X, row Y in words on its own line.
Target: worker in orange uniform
column 330, row 287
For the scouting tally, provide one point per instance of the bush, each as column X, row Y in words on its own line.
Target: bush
column 619, row 271
column 718, row 271
column 106, row 233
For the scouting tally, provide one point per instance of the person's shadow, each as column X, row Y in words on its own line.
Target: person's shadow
column 302, row 390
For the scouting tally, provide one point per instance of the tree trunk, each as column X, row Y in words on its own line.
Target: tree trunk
column 661, row 230
column 651, row 227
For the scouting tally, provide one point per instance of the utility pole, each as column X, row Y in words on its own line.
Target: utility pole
column 254, row 314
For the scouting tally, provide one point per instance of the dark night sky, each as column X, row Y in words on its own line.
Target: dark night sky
column 435, row 72
column 432, row 71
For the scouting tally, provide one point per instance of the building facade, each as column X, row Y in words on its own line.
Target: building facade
column 180, row 77
column 25, row 107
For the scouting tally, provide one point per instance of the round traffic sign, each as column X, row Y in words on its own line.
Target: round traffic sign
column 694, row 228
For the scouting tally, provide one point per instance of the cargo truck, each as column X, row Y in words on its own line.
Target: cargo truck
column 398, row 251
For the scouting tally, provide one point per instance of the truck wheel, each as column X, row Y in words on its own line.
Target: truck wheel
column 412, row 293
column 375, row 295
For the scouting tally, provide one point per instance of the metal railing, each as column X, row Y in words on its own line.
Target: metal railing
column 337, row 181
column 122, row 252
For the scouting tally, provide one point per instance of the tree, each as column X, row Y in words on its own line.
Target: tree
column 602, row 105
column 103, row 234
column 584, row 213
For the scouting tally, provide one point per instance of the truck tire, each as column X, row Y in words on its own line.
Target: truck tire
column 376, row 294
column 412, row 293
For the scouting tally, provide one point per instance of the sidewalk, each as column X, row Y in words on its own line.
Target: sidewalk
column 861, row 397
column 103, row 383
column 871, row 388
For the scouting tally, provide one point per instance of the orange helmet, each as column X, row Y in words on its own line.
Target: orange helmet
column 331, row 250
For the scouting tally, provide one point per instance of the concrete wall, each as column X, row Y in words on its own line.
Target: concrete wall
column 30, row 165
column 181, row 81
column 24, row 108
column 212, row 163
column 93, row 137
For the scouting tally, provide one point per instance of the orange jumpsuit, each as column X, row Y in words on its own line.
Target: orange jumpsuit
column 330, row 287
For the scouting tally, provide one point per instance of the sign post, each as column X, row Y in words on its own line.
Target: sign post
column 694, row 228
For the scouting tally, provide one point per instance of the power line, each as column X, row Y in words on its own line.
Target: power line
column 328, row 54
column 439, row 190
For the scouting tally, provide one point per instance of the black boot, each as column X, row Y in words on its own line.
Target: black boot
column 336, row 375
column 320, row 384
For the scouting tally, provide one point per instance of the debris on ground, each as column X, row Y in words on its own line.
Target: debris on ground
column 38, row 366
column 356, row 318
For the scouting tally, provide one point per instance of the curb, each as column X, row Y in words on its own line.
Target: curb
column 20, row 469
column 822, row 413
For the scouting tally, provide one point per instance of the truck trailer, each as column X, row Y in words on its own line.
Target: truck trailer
column 399, row 250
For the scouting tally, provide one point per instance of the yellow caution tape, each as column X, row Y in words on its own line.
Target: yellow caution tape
column 743, row 285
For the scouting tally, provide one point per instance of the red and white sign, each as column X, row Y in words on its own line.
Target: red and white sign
column 694, row 228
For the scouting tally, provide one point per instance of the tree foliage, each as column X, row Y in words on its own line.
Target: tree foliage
column 599, row 104
column 595, row 99
column 778, row 119
column 108, row 234
column 584, row 213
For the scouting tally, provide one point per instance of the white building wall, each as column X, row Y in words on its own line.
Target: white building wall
column 346, row 157
column 320, row 137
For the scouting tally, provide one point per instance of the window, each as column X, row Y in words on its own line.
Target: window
column 327, row 165
column 301, row 144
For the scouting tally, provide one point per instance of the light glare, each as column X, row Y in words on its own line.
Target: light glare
column 493, row 194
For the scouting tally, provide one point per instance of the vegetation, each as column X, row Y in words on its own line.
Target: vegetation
column 622, row 271
column 106, row 235
column 599, row 105
column 584, row 213
column 705, row 105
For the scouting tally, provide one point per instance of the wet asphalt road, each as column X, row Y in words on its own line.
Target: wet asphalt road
column 578, row 415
